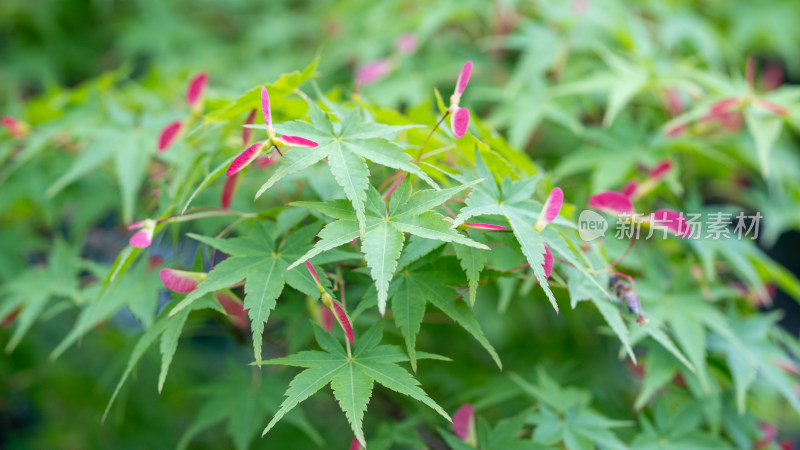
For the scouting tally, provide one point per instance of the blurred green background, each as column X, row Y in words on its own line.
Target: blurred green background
column 46, row 45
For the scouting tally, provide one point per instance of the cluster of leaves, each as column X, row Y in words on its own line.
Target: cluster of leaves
column 388, row 223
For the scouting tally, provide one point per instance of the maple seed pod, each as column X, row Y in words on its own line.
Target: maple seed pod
column 16, row 128
column 724, row 106
column 323, row 316
column 674, row 221
column 406, row 43
column 144, row 237
column 244, row 158
column 629, row 190
column 228, row 190
column 265, row 161
column 314, row 275
column 266, row 111
column 464, row 424
column 196, row 88
column 373, row 72
column 234, row 307
column 611, row 202
column 548, row 263
column 660, row 170
column 355, row 445
column 295, row 141
column 463, row 78
column 551, row 208
column 181, row 281
column 459, row 122
column 246, row 132
column 168, row 135
column 771, row 107
column 480, row 226
column 344, row 321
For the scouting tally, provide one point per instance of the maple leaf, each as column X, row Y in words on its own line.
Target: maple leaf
column 512, row 200
column 424, row 277
column 346, row 146
column 384, row 235
column 259, row 260
column 31, row 292
column 168, row 328
column 243, row 402
column 351, row 376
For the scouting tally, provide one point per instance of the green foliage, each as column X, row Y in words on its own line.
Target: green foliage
column 583, row 99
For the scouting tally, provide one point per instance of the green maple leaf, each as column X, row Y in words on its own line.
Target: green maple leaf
column 123, row 142
column 346, row 146
column 137, row 290
column 472, row 261
column 507, row 434
column 168, row 328
column 564, row 416
column 243, row 402
column 753, row 356
column 352, row 377
column 690, row 317
column 512, row 200
column 427, row 277
column 34, row 290
column 384, row 235
column 259, row 260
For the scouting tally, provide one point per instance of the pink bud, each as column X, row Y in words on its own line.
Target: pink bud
column 234, row 308
column 630, row 188
column 196, row 88
column 344, row 321
column 181, row 281
column 265, row 109
column 611, row 201
column 355, row 445
column 16, row 129
column 660, row 170
column 548, row 262
column 464, row 422
column 406, row 43
column 373, row 71
column 296, row 141
column 552, row 206
column 459, row 122
column 244, row 158
column 228, row 190
column 463, row 78
column 168, row 135
column 246, row 132
column 673, row 221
